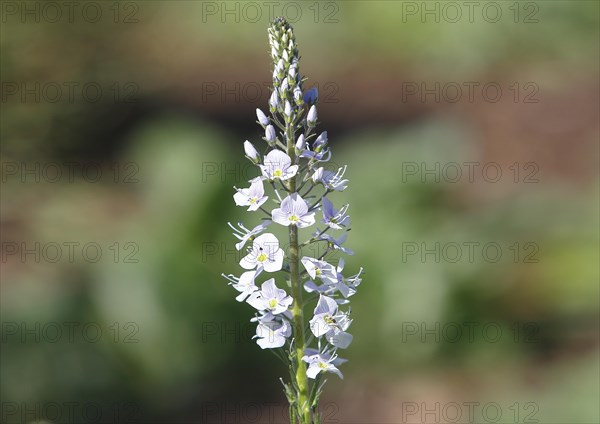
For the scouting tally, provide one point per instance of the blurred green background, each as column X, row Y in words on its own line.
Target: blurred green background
column 179, row 82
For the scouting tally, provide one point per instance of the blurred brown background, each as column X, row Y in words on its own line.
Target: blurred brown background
column 470, row 131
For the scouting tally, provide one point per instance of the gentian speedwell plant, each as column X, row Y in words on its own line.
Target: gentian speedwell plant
column 293, row 168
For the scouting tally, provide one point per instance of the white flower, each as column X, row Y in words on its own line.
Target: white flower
column 270, row 298
column 272, row 334
column 319, row 363
column 293, row 210
column 252, row 197
column 278, row 165
column 264, row 254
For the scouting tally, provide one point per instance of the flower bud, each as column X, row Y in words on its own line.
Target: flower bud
column 270, row 134
column 298, row 96
column 288, row 108
column 251, row 151
column 292, row 72
column 280, row 68
column 321, row 139
column 318, row 175
column 273, row 101
column 311, row 118
column 300, row 143
column 262, row 118
column 285, row 84
column 311, row 96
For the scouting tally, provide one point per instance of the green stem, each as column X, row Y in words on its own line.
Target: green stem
column 297, row 307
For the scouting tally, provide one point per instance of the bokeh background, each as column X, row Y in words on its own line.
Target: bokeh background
column 158, row 97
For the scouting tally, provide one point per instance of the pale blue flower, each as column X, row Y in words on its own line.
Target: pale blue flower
column 344, row 286
column 264, row 254
column 262, row 118
column 336, row 219
column 243, row 234
column 251, row 152
column 330, row 180
column 337, row 244
column 355, row 280
column 293, row 210
column 319, row 269
column 311, row 96
column 278, row 165
column 270, row 298
column 318, row 363
column 270, row 134
column 311, row 287
column 272, row 334
column 253, row 197
column 331, row 324
column 319, row 151
column 330, row 357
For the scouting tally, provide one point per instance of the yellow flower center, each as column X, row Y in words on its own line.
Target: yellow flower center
column 329, row 319
column 272, row 303
column 253, row 200
column 294, row 219
column 322, row 365
column 278, row 173
column 262, row 257
column 318, row 271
